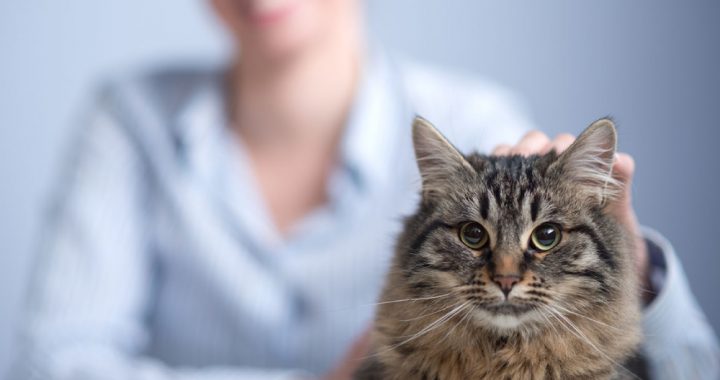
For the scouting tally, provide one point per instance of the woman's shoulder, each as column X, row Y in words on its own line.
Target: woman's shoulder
column 157, row 106
column 165, row 89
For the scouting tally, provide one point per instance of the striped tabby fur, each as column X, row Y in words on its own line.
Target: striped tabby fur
column 573, row 312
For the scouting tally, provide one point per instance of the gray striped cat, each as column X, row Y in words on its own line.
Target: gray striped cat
column 511, row 268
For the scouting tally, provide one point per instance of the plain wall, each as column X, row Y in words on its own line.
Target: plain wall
column 651, row 64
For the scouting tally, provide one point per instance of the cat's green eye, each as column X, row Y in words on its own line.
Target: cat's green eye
column 545, row 237
column 473, row 235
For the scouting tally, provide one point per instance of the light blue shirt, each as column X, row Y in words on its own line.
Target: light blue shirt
column 161, row 261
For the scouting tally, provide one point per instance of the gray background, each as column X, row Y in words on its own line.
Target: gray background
column 652, row 64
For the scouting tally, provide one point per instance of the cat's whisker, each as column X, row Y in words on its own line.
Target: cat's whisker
column 432, row 326
column 558, row 296
column 429, row 314
column 545, row 316
column 468, row 311
column 436, row 323
column 409, row 300
column 564, row 321
column 352, row 307
column 414, row 299
column 646, row 290
column 567, row 310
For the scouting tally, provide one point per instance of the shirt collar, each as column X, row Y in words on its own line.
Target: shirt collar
column 204, row 108
column 374, row 123
column 366, row 145
column 201, row 122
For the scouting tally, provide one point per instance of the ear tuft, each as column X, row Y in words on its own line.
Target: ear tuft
column 589, row 160
column 436, row 157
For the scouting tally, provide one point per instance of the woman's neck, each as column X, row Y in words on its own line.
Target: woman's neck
column 301, row 99
column 290, row 113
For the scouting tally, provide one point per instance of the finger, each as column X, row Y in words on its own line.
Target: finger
column 559, row 144
column 623, row 171
column 547, row 148
column 562, row 142
column 624, row 167
column 501, row 150
column 531, row 143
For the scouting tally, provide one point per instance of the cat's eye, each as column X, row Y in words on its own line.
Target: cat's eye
column 545, row 237
column 473, row 235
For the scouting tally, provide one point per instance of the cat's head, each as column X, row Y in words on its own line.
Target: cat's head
column 514, row 238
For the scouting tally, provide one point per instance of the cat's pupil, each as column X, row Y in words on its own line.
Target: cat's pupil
column 474, row 234
column 546, row 235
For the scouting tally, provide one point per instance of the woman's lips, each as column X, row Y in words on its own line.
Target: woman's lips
column 270, row 12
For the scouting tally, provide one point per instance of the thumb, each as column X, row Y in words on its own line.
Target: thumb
column 360, row 347
column 352, row 359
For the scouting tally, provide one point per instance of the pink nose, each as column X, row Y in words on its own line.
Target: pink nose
column 506, row 282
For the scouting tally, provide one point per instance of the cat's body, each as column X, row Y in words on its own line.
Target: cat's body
column 511, row 269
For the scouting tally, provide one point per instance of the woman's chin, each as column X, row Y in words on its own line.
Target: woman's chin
column 281, row 39
column 277, row 13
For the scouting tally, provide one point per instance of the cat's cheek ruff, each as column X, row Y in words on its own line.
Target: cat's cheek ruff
column 581, row 293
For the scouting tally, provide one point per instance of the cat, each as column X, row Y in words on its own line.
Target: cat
column 511, row 268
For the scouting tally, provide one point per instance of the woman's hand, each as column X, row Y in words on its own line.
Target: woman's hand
column 352, row 359
column 535, row 142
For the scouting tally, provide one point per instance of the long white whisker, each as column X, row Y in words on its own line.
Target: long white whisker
column 578, row 333
column 567, row 310
column 413, row 299
column 545, row 316
column 468, row 311
column 428, row 314
column 439, row 322
column 392, row 301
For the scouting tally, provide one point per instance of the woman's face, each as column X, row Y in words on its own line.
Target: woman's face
column 280, row 27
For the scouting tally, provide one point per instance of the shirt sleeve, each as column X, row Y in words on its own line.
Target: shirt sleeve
column 90, row 291
column 679, row 343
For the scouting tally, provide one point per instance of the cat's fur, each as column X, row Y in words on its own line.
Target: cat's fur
column 576, row 308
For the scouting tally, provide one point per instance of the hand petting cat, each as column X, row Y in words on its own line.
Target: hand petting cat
column 536, row 142
column 352, row 359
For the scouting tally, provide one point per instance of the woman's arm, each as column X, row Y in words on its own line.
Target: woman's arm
column 679, row 343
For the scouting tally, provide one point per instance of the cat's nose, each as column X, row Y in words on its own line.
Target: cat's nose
column 506, row 282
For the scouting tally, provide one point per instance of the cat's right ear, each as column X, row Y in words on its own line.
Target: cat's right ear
column 437, row 159
column 587, row 163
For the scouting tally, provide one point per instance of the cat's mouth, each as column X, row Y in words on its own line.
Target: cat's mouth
column 508, row 308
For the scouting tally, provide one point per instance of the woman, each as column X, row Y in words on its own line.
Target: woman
column 236, row 224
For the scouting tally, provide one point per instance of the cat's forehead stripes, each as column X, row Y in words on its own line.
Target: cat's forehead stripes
column 509, row 186
column 535, row 207
column 484, row 205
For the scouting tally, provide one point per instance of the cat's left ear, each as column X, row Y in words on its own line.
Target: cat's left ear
column 588, row 162
column 437, row 159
